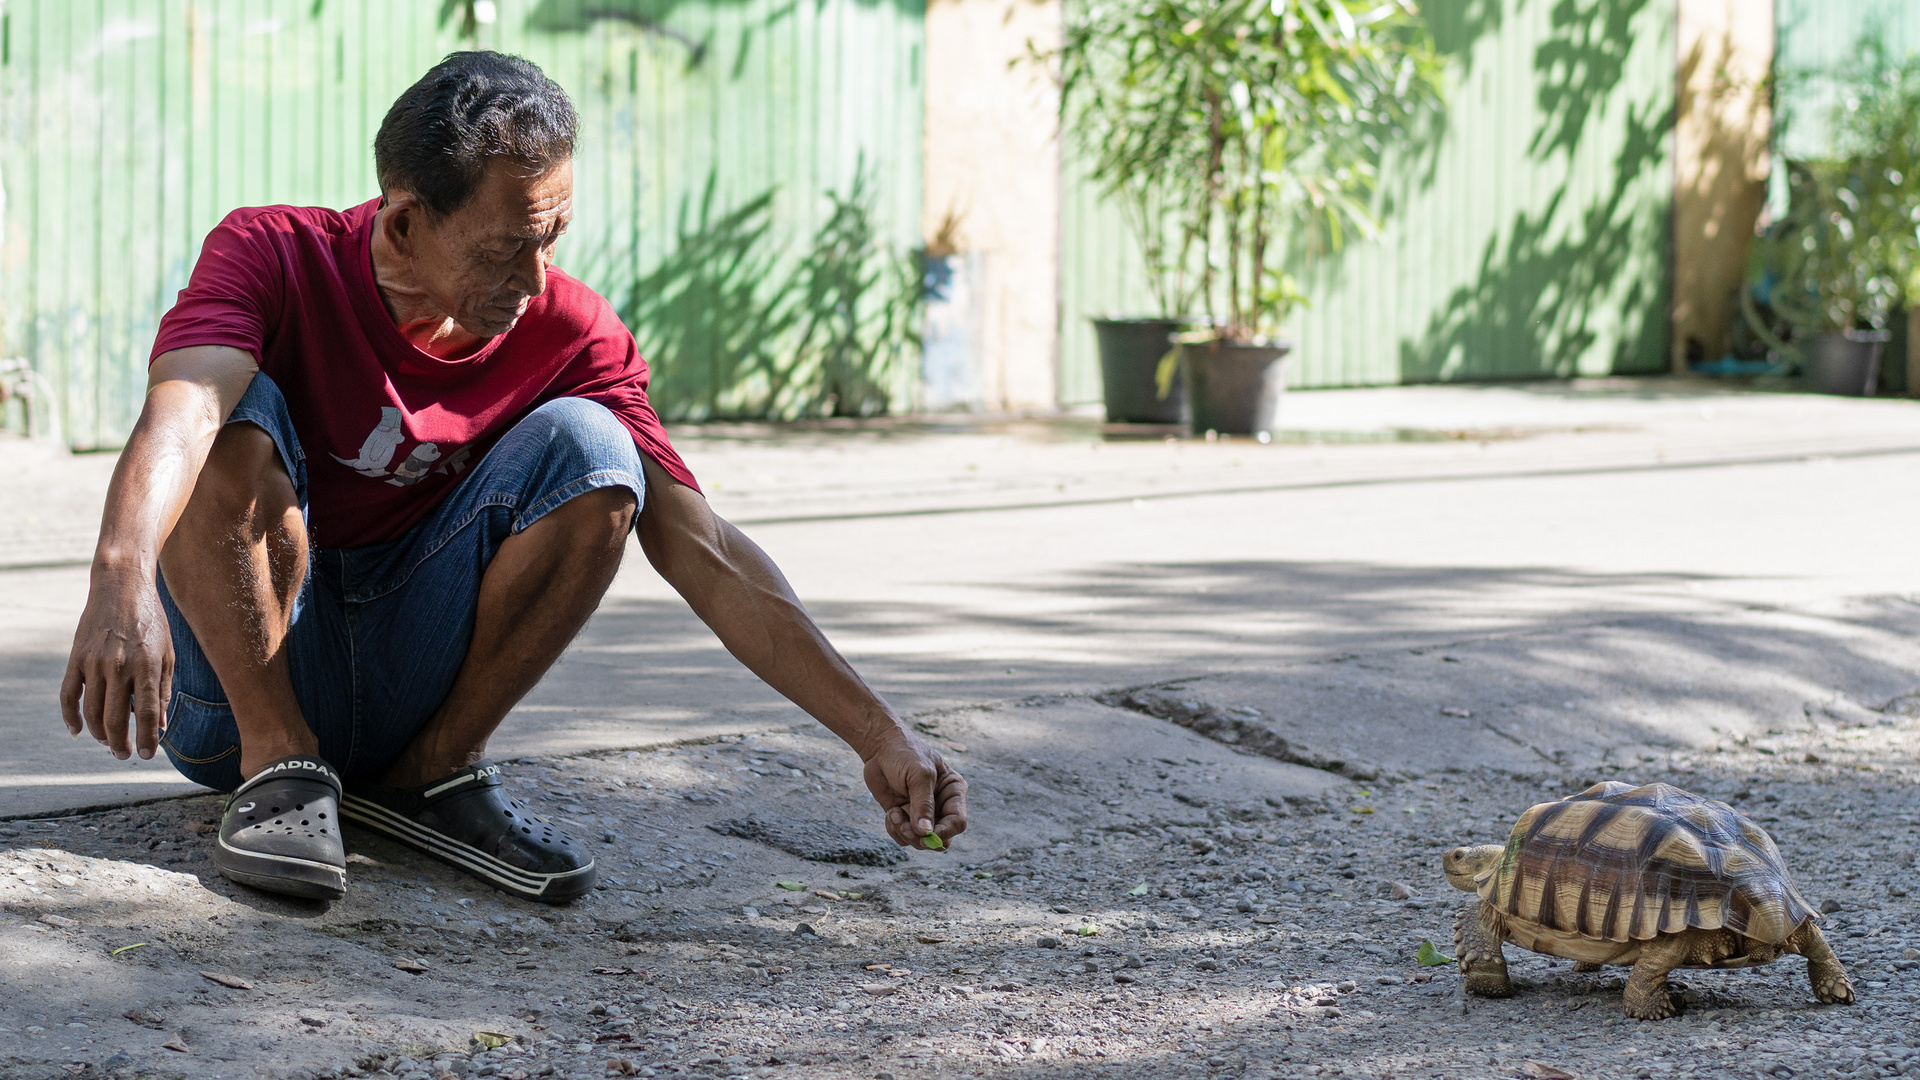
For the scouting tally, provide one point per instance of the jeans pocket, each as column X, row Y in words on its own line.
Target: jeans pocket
column 203, row 741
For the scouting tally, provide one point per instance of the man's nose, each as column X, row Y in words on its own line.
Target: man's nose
column 530, row 271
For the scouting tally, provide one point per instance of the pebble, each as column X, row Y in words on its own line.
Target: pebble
column 1049, row 941
column 1830, row 905
column 805, row 930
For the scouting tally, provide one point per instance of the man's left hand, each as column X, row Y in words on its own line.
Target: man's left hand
column 920, row 792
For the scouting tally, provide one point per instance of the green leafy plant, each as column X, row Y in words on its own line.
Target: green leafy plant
column 1847, row 251
column 1242, row 138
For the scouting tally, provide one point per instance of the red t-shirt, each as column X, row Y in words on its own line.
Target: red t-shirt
column 388, row 429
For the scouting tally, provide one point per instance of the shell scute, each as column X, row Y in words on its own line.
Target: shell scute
column 1623, row 863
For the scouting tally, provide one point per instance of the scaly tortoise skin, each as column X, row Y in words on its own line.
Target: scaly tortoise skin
column 1652, row 877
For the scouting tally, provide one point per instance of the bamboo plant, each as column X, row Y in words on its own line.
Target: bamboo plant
column 1241, row 138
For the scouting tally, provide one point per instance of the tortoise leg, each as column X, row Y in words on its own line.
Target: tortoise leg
column 1477, row 937
column 1587, row 965
column 1829, row 978
column 1648, row 997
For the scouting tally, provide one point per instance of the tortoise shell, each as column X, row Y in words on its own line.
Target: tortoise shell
column 1623, row 863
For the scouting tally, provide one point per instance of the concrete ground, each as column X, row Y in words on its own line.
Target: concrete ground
column 962, row 562
column 1502, row 589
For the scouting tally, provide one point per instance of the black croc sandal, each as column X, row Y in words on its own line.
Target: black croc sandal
column 281, row 831
column 467, row 821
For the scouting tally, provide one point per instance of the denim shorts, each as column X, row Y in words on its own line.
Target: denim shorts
column 380, row 632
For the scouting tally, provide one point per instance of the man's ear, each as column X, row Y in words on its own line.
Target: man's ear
column 400, row 220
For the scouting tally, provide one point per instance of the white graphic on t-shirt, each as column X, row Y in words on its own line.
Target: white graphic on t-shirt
column 416, row 465
column 379, row 448
column 457, row 463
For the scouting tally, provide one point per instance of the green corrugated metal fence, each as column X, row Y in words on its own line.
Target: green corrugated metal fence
column 711, row 130
column 1527, row 238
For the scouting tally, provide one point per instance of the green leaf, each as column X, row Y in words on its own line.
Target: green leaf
column 932, row 842
column 1428, row 956
column 1088, row 929
column 124, row 948
column 1138, row 890
column 791, row 886
column 492, row 1040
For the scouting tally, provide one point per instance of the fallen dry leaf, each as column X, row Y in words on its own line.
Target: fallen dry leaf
column 413, row 966
column 827, row 893
column 1545, row 1072
column 174, row 1044
column 224, row 979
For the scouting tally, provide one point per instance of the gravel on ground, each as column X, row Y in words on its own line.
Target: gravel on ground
column 1157, row 904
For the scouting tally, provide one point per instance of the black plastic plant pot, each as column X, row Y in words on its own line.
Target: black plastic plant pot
column 1846, row 363
column 1130, row 355
column 1235, row 389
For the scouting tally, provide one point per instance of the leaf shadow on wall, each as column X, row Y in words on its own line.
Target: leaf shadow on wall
column 1549, row 287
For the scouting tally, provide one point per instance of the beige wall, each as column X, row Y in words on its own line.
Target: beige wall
column 993, row 161
column 1720, row 160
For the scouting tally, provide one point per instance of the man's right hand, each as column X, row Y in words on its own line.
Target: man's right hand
column 121, row 665
column 122, row 660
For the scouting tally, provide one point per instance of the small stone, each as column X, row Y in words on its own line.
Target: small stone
column 1049, row 941
column 610, row 838
column 1402, row 891
column 1209, row 964
column 1346, row 986
column 1122, row 978
column 1388, row 980
column 176, row 1045
column 1190, row 913
column 119, row 1060
column 1216, row 1061
column 411, row 967
column 805, row 930
column 748, row 911
column 311, row 1020
column 1811, row 758
column 881, row 989
column 1200, row 845
column 1830, row 905
column 1910, row 954
column 1134, row 960
column 60, row 921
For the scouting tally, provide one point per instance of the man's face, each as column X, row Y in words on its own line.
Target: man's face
column 482, row 264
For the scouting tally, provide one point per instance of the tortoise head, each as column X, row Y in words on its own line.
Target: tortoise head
column 1464, row 864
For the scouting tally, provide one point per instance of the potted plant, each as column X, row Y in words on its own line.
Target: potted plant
column 1845, row 255
column 1242, row 140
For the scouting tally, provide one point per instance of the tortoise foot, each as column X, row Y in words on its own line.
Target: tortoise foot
column 1837, row 990
column 1489, row 983
column 1663, row 1004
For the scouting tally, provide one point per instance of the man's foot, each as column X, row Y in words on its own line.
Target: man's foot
column 466, row 821
column 281, row 831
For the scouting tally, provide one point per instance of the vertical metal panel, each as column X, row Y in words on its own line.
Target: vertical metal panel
column 1817, row 38
column 128, row 128
column 1528, row 239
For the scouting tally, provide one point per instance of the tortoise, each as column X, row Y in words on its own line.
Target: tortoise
column 1651, row 876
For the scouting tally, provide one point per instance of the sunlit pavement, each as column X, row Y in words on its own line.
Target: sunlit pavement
column 1711, row 536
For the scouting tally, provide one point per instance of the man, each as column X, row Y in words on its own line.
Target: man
column 386, row 469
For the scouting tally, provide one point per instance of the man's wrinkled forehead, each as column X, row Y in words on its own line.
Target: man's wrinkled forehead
column 520, row 206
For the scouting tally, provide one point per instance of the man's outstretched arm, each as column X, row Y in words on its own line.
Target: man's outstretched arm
column 738, row 592
column 122, row 659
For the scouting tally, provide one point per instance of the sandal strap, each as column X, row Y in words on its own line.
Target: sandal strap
column 482, row 773
column 294, row 767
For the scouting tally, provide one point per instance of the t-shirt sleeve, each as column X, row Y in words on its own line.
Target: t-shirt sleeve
column 611, row 371
column 235, row 294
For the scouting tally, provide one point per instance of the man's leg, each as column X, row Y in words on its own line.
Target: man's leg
column 233, row 566
column 536, row 594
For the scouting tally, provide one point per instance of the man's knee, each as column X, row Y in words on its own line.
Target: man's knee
column 588, row 431
column 244, row 467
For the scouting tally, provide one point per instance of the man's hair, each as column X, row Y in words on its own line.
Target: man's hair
column 471, row 108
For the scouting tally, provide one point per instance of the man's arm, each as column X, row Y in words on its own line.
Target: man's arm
column 737, row 591
column 122, row 659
